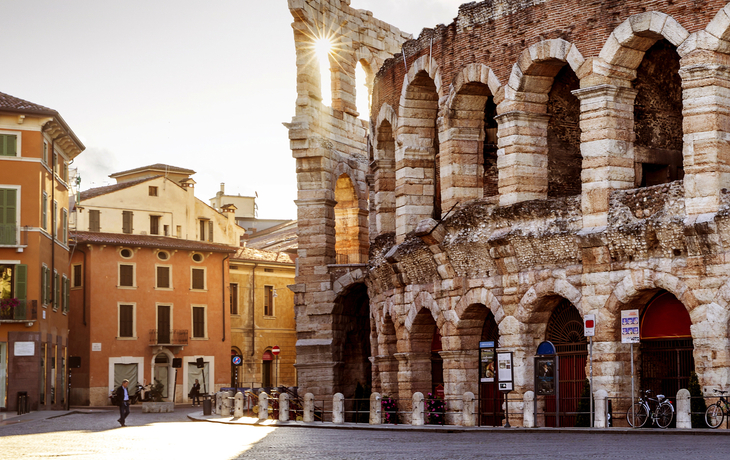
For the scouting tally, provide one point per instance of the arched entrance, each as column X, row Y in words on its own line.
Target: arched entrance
column 161, row 372
column 565, row 331
column 351, row 330
column 491, row 399
column 666, row 345
column 266, row 365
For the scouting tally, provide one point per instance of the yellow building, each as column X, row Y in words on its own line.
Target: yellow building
column 262, row 317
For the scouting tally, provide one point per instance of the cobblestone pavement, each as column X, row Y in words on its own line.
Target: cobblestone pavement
column 159, row 436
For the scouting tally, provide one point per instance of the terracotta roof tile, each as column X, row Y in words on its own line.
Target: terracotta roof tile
column 11, row 102
column 148, row 241
column 98, row 191
column 156, row 166
column 258, row 255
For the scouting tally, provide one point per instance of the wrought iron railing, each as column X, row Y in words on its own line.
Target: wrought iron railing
column 14, row 311
column 168, row 337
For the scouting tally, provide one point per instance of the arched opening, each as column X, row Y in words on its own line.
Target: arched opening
column 426, row 365
column 389, row 364
column 322, row 50
column 563, row 135
column 347, row 222
column 666, row 348
column 351, row 329
column 491, row 399
column 417, row 184
column 161, row 373
column 384, row 179
column 266, row 369
column 362, row 89
column 565, row 331
column 489, row 150
column 658, row 117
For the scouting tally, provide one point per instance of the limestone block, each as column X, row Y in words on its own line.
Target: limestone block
column 263, row 406
column 684, row 409
column 376, row 409
column 720, row 25
column 283, row 407
column 600, row 409
column 308, row 409
column 417, row 409
column 469, row 409
column 238, row 405
column 528, row 413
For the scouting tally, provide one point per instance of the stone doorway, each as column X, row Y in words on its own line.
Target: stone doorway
column 351, row 327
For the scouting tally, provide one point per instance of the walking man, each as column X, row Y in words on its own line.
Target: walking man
column 123, row 398
column 195, row 392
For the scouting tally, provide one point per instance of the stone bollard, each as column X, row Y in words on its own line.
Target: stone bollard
column 238, row 406
column 469, row 416
column 308, row 415
column 338, row 408
column 417, row 409
column 283, row 407
column 600, row 411
column 225, row 404
column 684, row 409
column 376, row 409
column 263, row 406
column 528, row 413
column 219, row 402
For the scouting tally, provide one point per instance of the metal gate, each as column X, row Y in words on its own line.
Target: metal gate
column 666, row 365
column 565, row 331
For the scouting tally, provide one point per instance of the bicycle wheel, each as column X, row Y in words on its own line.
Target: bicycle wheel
column 664, row 414
column 714, row 415
column 637, row 415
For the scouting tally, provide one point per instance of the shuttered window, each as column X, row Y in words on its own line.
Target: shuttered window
column 56, row 290
column 269, row 300
column 154, row 225
column 8, row 215
column 94, row 220
column 126, row 275
column 45, row 288
column 126, row 321
column 234, row 299
column 198, row 278
column 21, row 282
column 127, row 221
column 8, row 145
column 210, row 230
column 44, row 211
column 64, row 225
column 77, row 280
column 163, row 277
column 199, row 322
column 66, row 294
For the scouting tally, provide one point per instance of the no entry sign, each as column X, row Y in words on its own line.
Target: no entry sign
column 276, row 350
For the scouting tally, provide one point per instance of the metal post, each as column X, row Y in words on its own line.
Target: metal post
column 68, row 392
column 633, row 416
column 557, row 391
column 590, row 396
column 506, row 409
column 174, row 388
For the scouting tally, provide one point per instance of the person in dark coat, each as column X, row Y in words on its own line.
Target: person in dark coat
column 123, row 401
column 195, row 392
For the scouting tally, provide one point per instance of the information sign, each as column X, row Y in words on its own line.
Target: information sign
column 630, row 326
column 504, row 370
column 24, row 349
column 589, row 325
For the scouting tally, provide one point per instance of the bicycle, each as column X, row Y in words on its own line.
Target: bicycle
column 639, row 413
column 717, row 411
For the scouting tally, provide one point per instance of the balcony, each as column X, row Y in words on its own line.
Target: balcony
column 14, row 310
column 168, row 338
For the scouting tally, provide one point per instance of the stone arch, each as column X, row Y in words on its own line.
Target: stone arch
column 482, row 296
column 626, row 45
column 418, row 191
column 719, row 28
column 424, row 299
column 526, row 309
column 536, row 65
column 351, row 336
column 386, row 113
column 348, row 279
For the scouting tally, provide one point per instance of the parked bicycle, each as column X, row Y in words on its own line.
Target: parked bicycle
column 717, row 411
column 639, row 413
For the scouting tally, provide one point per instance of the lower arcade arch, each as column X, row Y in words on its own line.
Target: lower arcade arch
column 351, row 331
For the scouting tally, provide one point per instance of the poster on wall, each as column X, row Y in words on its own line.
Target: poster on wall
column 504, row 370
column 630, row 326
column 486, row 365
column 545, row 376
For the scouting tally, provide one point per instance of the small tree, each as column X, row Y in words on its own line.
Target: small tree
column 697, row 403
column 584, row 406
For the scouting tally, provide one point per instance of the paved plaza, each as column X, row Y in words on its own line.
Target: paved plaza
column 97, row 435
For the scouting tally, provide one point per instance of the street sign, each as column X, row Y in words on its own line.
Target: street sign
column 276, row 350
column 630, row 326
column 237, row 360
column 589, row 325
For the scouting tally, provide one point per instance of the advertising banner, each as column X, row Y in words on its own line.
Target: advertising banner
column 545, row 376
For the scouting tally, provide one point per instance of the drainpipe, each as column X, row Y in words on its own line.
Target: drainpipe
column 53, row 220
column 253, row 309
column 83, row 288
column 223, row 289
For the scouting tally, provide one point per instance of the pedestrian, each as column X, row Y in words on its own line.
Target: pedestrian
column 195, row 392
column 123, row 401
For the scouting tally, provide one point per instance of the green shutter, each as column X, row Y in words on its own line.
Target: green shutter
column 44, row 212
column 21, row 282
column 8, row 209
column 57, row 291
column 65, row 294
column 8, row 144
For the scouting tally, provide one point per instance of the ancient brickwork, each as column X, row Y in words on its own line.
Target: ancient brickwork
column 612, row 174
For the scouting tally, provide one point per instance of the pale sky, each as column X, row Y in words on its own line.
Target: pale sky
column 203, row 85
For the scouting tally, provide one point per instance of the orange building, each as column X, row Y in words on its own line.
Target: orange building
column 36, row 147
column 140, row 301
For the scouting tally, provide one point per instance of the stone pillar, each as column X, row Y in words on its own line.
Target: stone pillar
column 600, row 411
column 684, row 409
column 528, row 412
column 384, row 200
column 414, row 375
column 238, row 406
column 338, row 408
column 263, row 406
column 461, row 172
column 607, row 146
column 308, row 409
column 522, row 160
column 468, row 417
column 225, row 403
column 376, row 416
column 283, row 407
column 388, row 370
column 417, row 409
column 705, row 98
column 461, row 374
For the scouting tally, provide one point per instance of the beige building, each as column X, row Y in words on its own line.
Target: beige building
column 156, row 200
column 262, row 317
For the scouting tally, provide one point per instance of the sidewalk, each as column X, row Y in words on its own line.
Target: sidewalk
column 252, row 421
column 10, row 418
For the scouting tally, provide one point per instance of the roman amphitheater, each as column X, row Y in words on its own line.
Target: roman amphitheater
column 530, row 163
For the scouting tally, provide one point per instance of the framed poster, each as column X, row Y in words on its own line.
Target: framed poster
column 504, row 370
column 486, row 365
column 545, row 376
column 630, row 326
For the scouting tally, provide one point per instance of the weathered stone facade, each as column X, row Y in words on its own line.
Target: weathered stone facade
column 602, row 189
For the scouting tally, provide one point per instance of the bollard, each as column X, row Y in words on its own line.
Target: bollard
column 376, row 416
column 219, row 403
column 263, row 406
column 528, row 413
column 599, row 409
column 684, row 409
column 417, row 409
column 283, row 407
column 469, row 416
column 338, row 408
column 238, row 405
column 225, row 404
column 308, row 415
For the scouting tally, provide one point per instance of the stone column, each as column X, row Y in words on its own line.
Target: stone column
column 468, row 417
column 684, row 409
column 607, row 146
column 461, row 172
column 338, row 408
column 599, row 409
column 417, row 409
column 376, row 417
column 705, row 98
column 263, row 406
column 522, row 156
column 528, row 411
column 414, row 375
column 388, row 371
column 461, row 374
column 384, row 184
column 308, row 409
column 283, row 407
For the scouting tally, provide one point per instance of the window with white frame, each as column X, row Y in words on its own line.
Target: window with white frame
column 127, row 275
column 197, row 279
column 200, row 330
column 164, row 276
